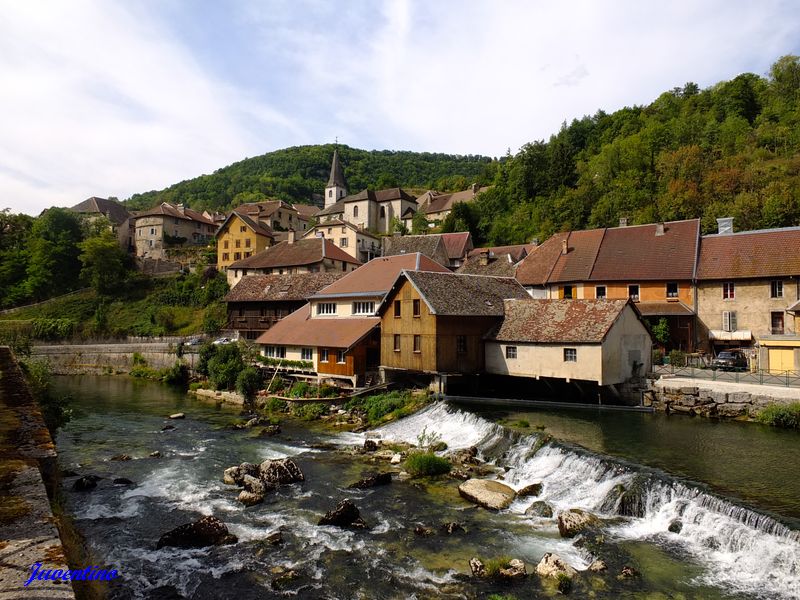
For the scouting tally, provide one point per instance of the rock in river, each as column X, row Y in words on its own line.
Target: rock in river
column 540, row 508
column 533, row 489
column 281, row 472
column 85, row 483
column 208, row 531
column 344, row 515
column 571, row 522
column 372, row 480
column 552, row 565
column 487, row 493
column 179, row 415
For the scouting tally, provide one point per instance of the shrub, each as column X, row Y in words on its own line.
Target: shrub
column 677, row 358
column 327, row 391
column 139, row 360
column 53, row 329
column 55, row 409
column 275, row 405
column 224, row 366
column 205, row 354
column 311, row 411
column 278, row 383
column 563, row 583
column 781, row 415
column 427, row 463
column 178, row 374
column 299, row 390
column 494, row 565
column 248, row 382
column 522, row 423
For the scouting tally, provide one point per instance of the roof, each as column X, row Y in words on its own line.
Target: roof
column 557, row 321
column 305, row 211
column 457, row 244
column 377, row 276
column 339, row 223
column 393, row 194
column 256, row 226
column 374, row 196
column 299, row 329
column 635, row 253
column 263, row 210
column 500, row 265
column 441, row 202
column 336, row 177
column 292, row 287
column 306, row 251
column 429, row 245
column 114, row 211
column 463, row 295
column 168, row 210
column 663, row 309
column 750, row 254
column 517, row 251
column 335, row 208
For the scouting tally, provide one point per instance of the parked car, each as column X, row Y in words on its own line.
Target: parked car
column 222, row 340
column 730, row 360
column 195, row 341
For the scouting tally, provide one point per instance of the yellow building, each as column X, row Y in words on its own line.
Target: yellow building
column 239, row 237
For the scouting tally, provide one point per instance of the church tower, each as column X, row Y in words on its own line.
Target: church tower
column 337, row 186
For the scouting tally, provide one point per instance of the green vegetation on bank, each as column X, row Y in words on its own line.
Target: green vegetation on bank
column 422, row 464
column 781, row 415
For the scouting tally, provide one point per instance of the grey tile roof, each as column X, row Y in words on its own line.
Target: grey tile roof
column 464, row 295
column 266, row 288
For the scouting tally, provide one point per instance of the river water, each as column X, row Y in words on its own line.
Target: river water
column 737, row 503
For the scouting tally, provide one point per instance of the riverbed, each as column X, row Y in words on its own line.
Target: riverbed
column 738, row 509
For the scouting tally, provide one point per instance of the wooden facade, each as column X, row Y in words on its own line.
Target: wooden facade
column 251, row 319
column 359, row 359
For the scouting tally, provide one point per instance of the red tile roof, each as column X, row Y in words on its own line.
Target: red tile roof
column 299, row 329
column 577, row 263
column 377, row 276
column 557, row 321
column 288, row 287
column 300, row 253
column 457, row 244
column 517, row 251
column 535, row 269
column 750, row 254
column 168, row 210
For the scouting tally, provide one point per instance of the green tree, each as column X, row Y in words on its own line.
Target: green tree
column 54, row 267
column 661, row 331
column 224, row 367
column 103, row 263
column 419, row 223
column 248, row 382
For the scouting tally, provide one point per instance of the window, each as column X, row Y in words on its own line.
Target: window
column 776, row 321
column 238, row 243
column 397, row 309
column 567, row 292
column 415, row 305
column 225, row 256
column 461, row 344
column 397, row 342
column 344, row 229
column 152, row 231
column 728, row 320
column 600, row 291
column 728, row 290
column 633, row 293
column 225, row 244
column 776, row 289
column 340, row 356
column 276, row 351
column 237, row 255
column 570, row 355
column 511, row 352
column 326, row 308
column 323, row 355
column 242, row 228
column 363, row 308
column 383, row 212
column 672, row 289
column 330, row 229
column 330, row 193
column 306, row 354
column 247, row 243
column 248, row 254
column 355, row 211
column 417, row 343
column 343, row 243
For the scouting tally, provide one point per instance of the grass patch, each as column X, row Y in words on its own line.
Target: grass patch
column 387, row 406
column 420, row 464
column 495, row 565
column 523, row 423
column 781, row 415
column 311, row 412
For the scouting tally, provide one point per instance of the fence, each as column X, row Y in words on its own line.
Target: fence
column 758, row 377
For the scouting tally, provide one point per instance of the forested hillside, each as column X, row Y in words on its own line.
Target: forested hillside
column 297, row 174
column 730, row 150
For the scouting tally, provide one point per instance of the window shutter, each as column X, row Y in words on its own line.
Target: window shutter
column 726, row 320
column 733, row 320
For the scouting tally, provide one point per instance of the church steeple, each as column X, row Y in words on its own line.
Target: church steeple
column 337, row 186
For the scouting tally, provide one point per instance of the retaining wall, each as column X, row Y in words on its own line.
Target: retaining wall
column 99, row 359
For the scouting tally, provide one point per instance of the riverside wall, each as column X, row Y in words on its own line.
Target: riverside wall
column 715, row 398
column 103, row 359
column 28, row 533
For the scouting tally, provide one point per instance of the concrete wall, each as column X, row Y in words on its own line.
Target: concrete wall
column 545, row 360
column 105, row 358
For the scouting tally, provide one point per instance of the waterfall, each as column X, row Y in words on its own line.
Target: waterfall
column 742, row 550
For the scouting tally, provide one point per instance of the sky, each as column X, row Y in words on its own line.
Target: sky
column 102, row 98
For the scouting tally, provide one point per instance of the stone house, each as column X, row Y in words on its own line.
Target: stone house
column 432, row 246
column 167, row 225
column 118, row 217
column 275, row 214
column 370, row 210
column 602, row 341
column 358, row 243
column 241, row 236
column 437, row 206
column 748, row 294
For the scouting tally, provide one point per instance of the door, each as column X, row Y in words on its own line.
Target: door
column 780, row 360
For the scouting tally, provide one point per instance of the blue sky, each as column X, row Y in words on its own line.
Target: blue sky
column 113, row 98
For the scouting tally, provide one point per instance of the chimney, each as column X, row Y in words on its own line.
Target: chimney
column 564, row 247
column 659, row 229
column 290, row 237
column 483, row 259
column 725, row 226
column 623, row 221
column 474, row 188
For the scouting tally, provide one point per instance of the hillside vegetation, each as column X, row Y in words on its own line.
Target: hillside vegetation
column 730, row 150
column 298, row 174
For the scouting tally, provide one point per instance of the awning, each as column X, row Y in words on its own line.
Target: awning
column 664, row 309
column 794, row 308
column 728, row 336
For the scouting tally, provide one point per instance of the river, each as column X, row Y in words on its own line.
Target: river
column 733, row 487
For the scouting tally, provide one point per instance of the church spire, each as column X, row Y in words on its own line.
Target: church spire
column 337, row 186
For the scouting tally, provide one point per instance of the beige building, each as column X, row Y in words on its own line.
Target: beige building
column 358, row 243
column 748, row 295
column 275, row 214
column 370, row 210
column 437, row 206
column 168, row 226
column 240, row 237
column 603, row 341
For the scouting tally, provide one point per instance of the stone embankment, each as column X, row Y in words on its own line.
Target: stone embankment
column 716, row 398
column 103, row 359
column 27, row 456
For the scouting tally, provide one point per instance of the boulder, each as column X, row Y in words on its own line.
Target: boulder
column 179, row 415
column 487, row 493
column 275, row 538
column 120, row 457
column 85, row 483
column 345, row 514
column 235, row 475
column 533, row 489
column 168, row 428
column 280, row 472
column 155, row 454
column 633, row 501
column 597, row 566
column 627, row 572
column 396, row 459
column 370, row 445
column 208, row 531
column 552, row 565
column 255, row 421
column 515, row 570
column 675, row 526
column 541, row 509
column 255, row 485
column 571, row 522
column 423, row 531
column 230, row 475
column 270, row 430
column 250, row 498
column 123, row 481
column 373, row 480
column 452, row 527
column 477, row 567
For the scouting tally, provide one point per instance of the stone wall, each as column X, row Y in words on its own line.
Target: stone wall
column 100, row 359
column 720, row 401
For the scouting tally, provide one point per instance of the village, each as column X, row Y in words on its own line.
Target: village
column 343, row 294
